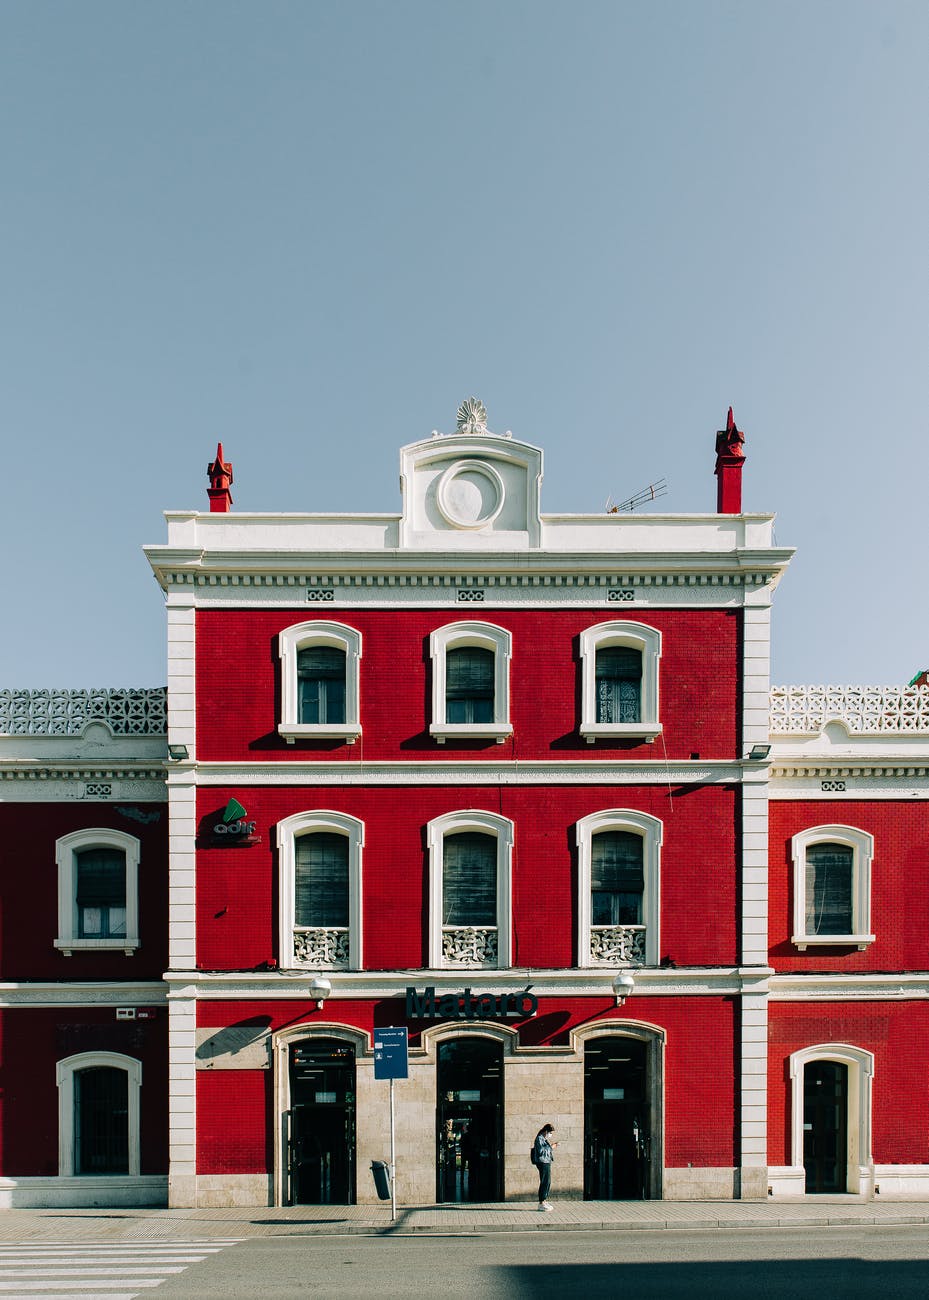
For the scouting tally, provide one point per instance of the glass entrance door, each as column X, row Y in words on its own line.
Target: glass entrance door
column 617, row 1122
column 321, row 1167
column 469, row 1120
column 825, row 1126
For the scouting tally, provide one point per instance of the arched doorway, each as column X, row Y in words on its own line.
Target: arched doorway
column 825, row 1126
column 469, row 1119
column 321, row 1122
column 831, row 1118
column 617, row 1120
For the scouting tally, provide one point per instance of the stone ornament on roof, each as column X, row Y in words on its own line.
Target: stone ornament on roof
column 472, row 416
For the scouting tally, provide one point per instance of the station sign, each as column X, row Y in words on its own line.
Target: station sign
column 390, row 1054
column 469, row 1006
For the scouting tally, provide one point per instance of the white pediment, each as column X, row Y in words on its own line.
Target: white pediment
column 470, row 491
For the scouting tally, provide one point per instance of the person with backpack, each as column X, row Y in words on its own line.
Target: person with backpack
column 543, row 1153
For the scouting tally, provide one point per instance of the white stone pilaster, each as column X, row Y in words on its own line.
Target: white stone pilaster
column 182, row 1093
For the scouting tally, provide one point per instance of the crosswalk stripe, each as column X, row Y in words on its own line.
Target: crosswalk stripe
column 98, row 1284
column 98, row 1270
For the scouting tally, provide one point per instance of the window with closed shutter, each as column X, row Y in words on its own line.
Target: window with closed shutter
column 321, row 880
column 469, row 879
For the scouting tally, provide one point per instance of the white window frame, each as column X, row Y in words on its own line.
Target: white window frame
column 66, row 850
column 300, row 637
column 651, row 831
column 288, row 832
column 65, row 1071
column 860, row 1063
column 488, row 637
column 862, row 846
column 487, row 823
column 638, row 636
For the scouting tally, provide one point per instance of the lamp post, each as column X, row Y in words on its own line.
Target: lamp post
column 623, row 984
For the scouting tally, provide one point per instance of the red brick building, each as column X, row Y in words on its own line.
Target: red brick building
column 513, row 781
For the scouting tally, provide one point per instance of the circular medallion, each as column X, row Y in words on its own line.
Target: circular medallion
column 470, row 494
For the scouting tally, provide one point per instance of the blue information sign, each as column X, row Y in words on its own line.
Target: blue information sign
column 390, row 1054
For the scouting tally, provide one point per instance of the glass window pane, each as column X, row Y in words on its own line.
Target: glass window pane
column 829, row 869
column 617, row 879
column 469, row 879
column 321, row 883
column 321, row 685
column 619, row 684
column 469, row 685
column 101, row 877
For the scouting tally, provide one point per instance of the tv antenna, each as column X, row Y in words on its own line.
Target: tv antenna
column 654, row 490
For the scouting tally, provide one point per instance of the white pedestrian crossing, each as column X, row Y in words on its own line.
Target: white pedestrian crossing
column 110, row 1270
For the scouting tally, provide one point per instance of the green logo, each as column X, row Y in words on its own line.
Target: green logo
column 234, row 811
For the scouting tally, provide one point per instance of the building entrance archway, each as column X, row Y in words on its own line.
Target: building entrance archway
column 469, row 1120
column 321, row 1123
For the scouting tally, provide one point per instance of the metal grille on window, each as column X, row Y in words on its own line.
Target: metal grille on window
column 619, row 684
column 829, row 870
column 321, row 684
column 101, row 1121
column 469, row 899
column 321, row 904
column 469, row 685
column 617, row 883
column 101, row 894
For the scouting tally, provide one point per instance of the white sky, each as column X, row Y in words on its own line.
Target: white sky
column 311, row 229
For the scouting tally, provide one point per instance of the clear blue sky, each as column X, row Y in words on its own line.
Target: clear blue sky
column 311, row 229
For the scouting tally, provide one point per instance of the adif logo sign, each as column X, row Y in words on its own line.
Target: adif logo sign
column 235, row 821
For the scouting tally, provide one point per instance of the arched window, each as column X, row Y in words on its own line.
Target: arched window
column 98, row 890
column 98, row 1115
column 320, row 682
column 619, row 681
column 320, row 890
column 832, row 887
column 618, row 888
column 469, row 890
column 470, row 682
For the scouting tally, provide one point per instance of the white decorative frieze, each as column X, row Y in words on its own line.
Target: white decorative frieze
column 617, row 945
column 862, row 710
column 322, row 947
column 127, row 712
column 469, row 946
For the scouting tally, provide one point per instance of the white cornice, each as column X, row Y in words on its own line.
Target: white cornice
column 696, row 982
column 857, row 986
column 151, row 993
column 24, row 769
column 468, row 772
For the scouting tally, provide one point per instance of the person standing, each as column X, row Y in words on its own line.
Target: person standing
column 544, row 1151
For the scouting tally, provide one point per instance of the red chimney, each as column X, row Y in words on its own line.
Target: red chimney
column 729, row 461
column 220, row 473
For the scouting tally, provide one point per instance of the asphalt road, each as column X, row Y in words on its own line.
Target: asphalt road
column 767, row 1264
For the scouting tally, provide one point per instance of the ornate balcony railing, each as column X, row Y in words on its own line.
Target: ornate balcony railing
column 617, row 945
column 862, row 710
column 324, row 947
column 126, row 711
column 469, row 946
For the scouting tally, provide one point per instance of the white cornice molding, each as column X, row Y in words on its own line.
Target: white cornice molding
column 24, row 769
column 857, row 986
column 468, row 772
column 348, row 985
column 150, row 993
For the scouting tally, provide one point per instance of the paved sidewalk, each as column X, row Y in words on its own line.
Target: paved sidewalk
column 120, row 1224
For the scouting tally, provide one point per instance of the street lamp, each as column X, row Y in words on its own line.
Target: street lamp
column 320, row 989
column 623, row 984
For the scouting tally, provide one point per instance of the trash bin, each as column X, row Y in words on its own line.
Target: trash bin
column 381, row 1172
